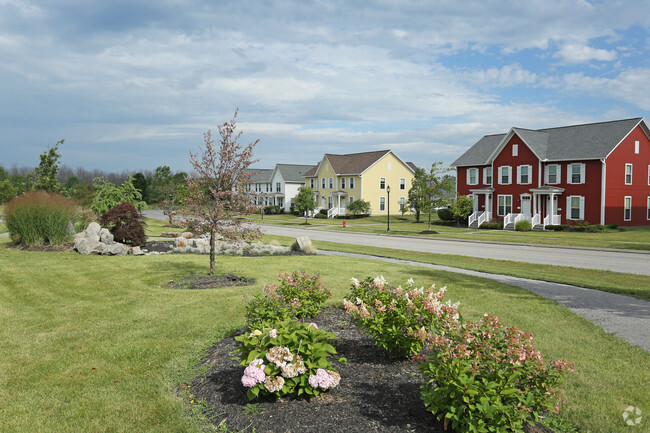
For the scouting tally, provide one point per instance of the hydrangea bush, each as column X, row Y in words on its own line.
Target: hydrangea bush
column 399, row 319
column 290, row 359
column 485, row 377
column 297, row 295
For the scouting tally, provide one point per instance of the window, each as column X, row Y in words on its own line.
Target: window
column 524, row 174
column 382, row 183
column 342, row 183
column 649, row 175
column 311, row 183
column 402, row 203
column 331, row 183
column 627, row 208
column 382, row 203
column 351, row 183
column 402, row 183
column 515, row 150
column 628, row 174
column 322, row 183
column 472, row 176
column 487, row 176
column 505, row 173
column 351, row 199
column 575, row 207
column 553, row 174
column 278, row 187
column 504, row 205
column 330, row 202
column 576, row 173
column 648, row 209
column 636, row 147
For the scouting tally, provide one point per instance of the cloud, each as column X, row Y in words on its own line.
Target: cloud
column 573, row 53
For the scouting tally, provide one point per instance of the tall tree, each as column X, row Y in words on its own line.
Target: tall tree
column 47, row 169
column 218, row 192
column 305, row 200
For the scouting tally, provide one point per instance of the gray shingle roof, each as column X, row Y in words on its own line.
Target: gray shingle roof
column 260, row 175
column 588, row 141
column 293, row 172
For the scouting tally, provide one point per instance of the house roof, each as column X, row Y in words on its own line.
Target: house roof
column 260, row 175
column 355, row 163
column 587, row 141
column 293, row 172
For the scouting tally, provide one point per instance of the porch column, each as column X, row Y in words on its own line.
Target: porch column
column 534, row 203
column 475, row 202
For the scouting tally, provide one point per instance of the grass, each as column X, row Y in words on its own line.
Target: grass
column 93, row 343
column 634, row 238
column 606, row 281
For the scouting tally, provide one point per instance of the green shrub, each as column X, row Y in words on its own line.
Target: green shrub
column 7, row 191
column 125, row 223
column 523, row 226
column 323, row 212
column 398, row 319
column 39, row 217
column 491, row 225
column 289, row 359
column 445, row 214
column 612, row 226
column 488, row 378
column 320, row 216
column 297, row 295
column 558, row 227
column 273, row 210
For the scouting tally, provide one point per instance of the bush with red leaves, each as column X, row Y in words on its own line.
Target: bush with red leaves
column 125, row 223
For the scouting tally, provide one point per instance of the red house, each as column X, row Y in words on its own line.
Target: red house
column 598, row 172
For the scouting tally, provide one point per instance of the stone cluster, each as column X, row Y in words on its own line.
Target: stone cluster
column 98, row 240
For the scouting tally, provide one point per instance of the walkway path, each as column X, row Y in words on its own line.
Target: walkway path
column 623, row 316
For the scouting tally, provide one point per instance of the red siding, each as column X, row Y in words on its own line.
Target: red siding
column 525, row 156
column 590, row 190
column 462, row 188
column 639, row 190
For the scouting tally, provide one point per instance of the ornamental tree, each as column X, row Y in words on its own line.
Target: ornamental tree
column 359, row 207
column 305, row 200
column 430, row 190
column 217, row 189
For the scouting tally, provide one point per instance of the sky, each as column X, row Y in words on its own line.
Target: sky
column 134, row 84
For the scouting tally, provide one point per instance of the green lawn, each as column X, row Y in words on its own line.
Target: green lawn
column 635, row 238
column 93, row 343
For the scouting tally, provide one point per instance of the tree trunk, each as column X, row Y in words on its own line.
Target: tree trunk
column 212, row 252
column 429, row 222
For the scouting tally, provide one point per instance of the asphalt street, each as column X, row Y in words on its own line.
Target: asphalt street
column 633, row 262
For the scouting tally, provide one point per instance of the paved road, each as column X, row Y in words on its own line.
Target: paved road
column 632, row 262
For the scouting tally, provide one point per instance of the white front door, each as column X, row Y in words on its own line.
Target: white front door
column 525, row 204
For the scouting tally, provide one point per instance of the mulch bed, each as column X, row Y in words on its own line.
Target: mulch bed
column 376, row 393
column 196, row 282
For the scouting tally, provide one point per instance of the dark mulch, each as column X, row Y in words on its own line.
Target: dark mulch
column 428, row 232
column 159, row 246
column 376, row 393
column 195, row 282
column 65, row 248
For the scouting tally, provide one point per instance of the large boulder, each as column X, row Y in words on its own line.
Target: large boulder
column 303, row 244
column 106, row 237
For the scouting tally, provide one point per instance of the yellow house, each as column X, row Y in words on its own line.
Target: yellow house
column 379, row 177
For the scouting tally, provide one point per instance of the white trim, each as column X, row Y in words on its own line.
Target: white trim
column 504, row 204
column 485, row 169
column 382, row 197
column 625, row 208
column 380, row 187
column 581, row 207
column 530, row 172
column 647, row 211
column 509, row 170
column 636, row 147
column 402, row 184
column 469, row 176
column 626, row 135
column 515, row 149
column 558, row 174
column 603, row 188
column 569, row 173
column 625, row 174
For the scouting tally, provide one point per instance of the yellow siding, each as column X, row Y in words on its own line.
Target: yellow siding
column 392, row 169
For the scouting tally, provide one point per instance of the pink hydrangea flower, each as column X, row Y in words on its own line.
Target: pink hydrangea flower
column 313, row 324
column 273, row 333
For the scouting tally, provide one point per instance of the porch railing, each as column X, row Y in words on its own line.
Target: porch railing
column 552, row 220
column 509, row 219
column 485, row 217
column 333, row 212
column 473, row 217
column 536, row 220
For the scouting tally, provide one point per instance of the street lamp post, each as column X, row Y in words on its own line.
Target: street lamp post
column 388, row 209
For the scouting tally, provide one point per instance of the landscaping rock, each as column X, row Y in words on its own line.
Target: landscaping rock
column 303, row 244
column 137, row 251
column 117, row 249
column 106, row 237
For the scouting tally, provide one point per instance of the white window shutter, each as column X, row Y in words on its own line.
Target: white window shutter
column 518, row 174
column 509, row 175
column 546, row 175
column 582, row 172
column 468, row 176
column 582, row 208
column 568, row 174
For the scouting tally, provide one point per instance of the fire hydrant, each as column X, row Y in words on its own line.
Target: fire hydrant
column 343, row 223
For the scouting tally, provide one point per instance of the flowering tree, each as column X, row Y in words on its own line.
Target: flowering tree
column 217, row 189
